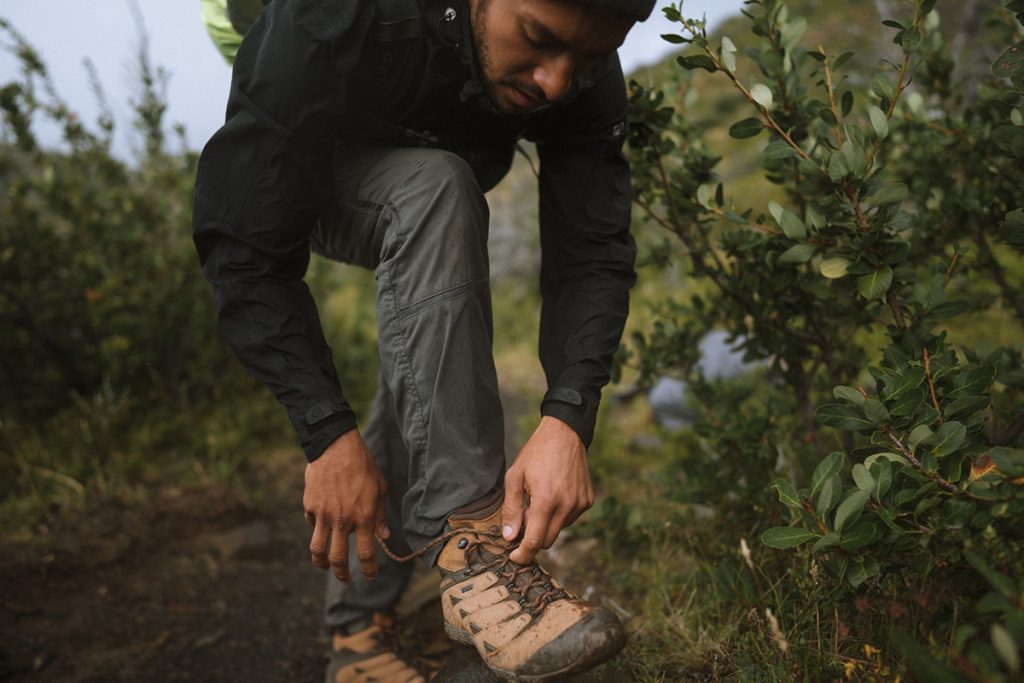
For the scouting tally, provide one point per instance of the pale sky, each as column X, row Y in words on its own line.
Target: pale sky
column 68, row 31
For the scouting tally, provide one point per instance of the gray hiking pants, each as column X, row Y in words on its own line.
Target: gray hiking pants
column 418, row 218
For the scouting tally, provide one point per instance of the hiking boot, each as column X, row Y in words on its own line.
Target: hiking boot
column 524, row 624
column 370, row 654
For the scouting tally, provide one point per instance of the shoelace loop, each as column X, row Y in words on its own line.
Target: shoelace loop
column 505, row 567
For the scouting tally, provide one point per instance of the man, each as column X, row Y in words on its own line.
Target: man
column 368, row 132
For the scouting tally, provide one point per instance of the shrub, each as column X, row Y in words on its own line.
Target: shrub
column 875, row 284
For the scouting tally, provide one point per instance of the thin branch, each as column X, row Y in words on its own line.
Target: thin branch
column 931, row 384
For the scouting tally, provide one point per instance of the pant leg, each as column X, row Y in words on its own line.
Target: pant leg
column 354, row 602
column 419, row 219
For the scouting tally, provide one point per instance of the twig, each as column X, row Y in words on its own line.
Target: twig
column 934, row 476
column 831, row 97
column 931, row 384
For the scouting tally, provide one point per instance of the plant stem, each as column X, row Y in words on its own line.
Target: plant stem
column 931, row 384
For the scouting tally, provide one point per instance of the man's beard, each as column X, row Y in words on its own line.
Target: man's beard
column 483, row 61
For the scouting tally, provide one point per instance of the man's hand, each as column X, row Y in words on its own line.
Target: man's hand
column 552, row 470
column 345, row 491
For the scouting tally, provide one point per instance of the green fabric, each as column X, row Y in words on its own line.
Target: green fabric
column 214, row 14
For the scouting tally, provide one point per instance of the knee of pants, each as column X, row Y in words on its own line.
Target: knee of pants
column 440, row 221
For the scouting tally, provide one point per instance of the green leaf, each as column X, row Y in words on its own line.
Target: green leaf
column 882, row 473
column 830, row 539
column 787, row 494
column 950, row 436
column 776, row 210
column 879, row 121
column 778, row 150
column 862, row 478
column 911, row 378
column 849, row 394
column 882, row 87
column 1012, row 230
column 891, row 457
column 917, row 435
column 728, row 53
column 705, row 196
column 875, row 285
column 859, row 535
column 762, row 94
column 786, row 537
column 798, row 253
column 792, row 226
column 674, row 38
column 828, row 467
column 972, row 382
column 875, row 412
column 1010, row 461
column 847, row 103
column 692, row 62
column 857, row 574
column 843, row 416
column 837, row 167
column 850, row 509
column 834, row 268
column 1006, row 647
column 890, row 193
column 792, row 32
column 856, row 157
column 907, row 404
column 828, row 496
column 747, row 128
column 1011, row 63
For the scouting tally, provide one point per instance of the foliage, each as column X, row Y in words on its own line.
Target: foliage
column 111, row 365
column 894, row 220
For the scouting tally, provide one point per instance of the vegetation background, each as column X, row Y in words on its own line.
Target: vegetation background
column 836, row 186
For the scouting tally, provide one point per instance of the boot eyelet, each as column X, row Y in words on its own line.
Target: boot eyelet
column 522, row 602
column 547, row 586
column 510, row 586
column 463, row 542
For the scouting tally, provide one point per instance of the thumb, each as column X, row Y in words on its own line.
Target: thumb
column 512, row 510
column 381, row 524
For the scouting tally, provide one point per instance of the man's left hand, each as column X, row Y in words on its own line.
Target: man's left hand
column 552, row 473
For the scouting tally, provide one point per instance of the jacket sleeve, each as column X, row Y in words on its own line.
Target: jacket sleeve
column 261, row 182
column 588, row 253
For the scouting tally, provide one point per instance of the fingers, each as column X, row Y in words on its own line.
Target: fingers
column 365, row 551
column 512, row 510
column 318, row 543
column 535, row 534
column 339, row 554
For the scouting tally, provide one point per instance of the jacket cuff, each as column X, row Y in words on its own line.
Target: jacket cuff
column 574, row 408
column 321, row 423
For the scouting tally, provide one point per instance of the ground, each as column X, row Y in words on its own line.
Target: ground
column 206, row 583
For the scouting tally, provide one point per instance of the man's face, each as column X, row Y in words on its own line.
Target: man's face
column 530, row 51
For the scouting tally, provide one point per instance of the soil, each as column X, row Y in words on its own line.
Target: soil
column 210, row 583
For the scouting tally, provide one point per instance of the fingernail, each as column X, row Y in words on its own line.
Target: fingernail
column 507, row 532
column 387, row 532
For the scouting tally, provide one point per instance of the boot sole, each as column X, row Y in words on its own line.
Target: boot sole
column 608, row 650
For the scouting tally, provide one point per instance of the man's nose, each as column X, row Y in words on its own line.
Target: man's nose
column 554, row 76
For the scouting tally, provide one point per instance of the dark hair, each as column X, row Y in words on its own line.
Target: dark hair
column 637, row 9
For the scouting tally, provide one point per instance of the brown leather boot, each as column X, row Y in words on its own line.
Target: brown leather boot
column 370, row 654
column 524, row 624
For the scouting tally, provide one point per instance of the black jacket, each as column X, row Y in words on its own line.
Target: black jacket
column 312, row 71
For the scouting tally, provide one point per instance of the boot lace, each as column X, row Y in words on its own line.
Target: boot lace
column 533, row 576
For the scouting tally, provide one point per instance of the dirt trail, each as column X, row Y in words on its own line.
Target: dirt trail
column 203, row 584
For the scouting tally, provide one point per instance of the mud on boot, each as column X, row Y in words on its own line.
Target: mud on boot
column 525, row 625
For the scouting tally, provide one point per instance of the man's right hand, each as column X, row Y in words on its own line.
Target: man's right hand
column 345, row 492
